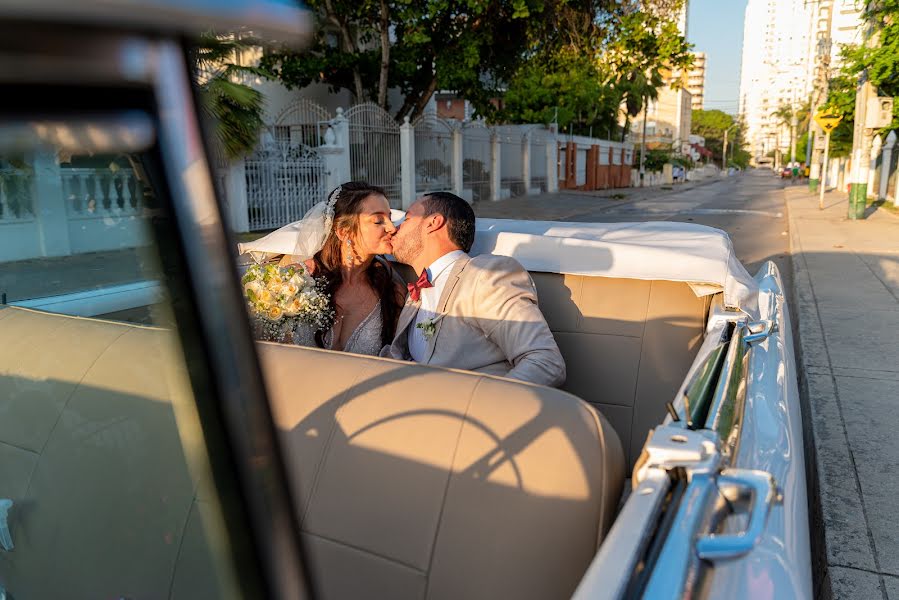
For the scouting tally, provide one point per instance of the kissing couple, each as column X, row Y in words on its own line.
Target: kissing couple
column 476, row 313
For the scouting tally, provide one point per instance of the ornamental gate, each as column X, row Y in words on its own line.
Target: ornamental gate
column 284, row 180
column 375, row 149
column 433, row 155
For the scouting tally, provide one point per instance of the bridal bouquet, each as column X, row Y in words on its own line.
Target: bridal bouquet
column 280, row 299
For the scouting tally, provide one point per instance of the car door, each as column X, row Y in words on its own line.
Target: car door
column 137, row 450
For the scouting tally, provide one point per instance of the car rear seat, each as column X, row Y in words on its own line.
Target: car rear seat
column 420, row 482
column 412, row 482
column 627, row 344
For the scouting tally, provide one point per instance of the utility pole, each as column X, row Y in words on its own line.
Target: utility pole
column 794, row 122
column 724, row 152
column 861, row 151
column 643, row 142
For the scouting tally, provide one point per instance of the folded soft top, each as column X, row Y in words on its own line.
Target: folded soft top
column 698, row 255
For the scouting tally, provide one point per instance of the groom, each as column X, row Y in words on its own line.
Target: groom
column 478, row 313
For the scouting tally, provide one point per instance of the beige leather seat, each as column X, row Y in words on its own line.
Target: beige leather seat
column 412, row 482
column 627, row 344
column 416, row 482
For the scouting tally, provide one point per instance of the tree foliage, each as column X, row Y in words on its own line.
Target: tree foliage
column 711, row 124
column 572, row 60
column 583, row 72
column 235, row 109
column 879, row 59
column 417, row 46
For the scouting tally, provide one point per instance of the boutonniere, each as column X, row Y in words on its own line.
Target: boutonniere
column 429, row 326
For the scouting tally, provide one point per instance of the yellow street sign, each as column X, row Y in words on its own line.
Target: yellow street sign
column 827, row 120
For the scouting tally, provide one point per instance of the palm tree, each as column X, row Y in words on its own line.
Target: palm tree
column 235, row 108
column 785, row 113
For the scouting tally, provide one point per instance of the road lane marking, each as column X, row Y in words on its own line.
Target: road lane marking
column 734, row 211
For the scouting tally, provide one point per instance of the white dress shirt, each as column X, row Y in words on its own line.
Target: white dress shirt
column 438, row 273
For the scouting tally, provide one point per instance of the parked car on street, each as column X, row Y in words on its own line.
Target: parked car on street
column 150, row 448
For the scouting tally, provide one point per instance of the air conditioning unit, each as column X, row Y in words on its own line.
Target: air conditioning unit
column 879, row 113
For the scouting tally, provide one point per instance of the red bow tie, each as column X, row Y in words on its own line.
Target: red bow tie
column 416, row 288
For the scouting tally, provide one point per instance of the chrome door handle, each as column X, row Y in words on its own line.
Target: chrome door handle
column 5, row 537
column 733, row 484
column 760, row 330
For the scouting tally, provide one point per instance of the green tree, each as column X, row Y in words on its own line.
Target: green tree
column 642, row 53
column 417, row 46
column 234, row 108
column 879, row 59
column 711, row 124
column 595, row 58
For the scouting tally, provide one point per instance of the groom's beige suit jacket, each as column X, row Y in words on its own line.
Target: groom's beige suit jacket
column 487, row 321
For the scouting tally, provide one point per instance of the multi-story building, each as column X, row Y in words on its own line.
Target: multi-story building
column 668, row 118
column 696, row 81
column 790, row 49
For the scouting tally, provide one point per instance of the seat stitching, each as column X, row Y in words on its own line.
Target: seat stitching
column 626, row 450
column 316, row 477
column 365, row 551
column 449, row 478
column 605, row 472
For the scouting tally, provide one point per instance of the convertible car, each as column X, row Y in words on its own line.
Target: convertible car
column 149, row 448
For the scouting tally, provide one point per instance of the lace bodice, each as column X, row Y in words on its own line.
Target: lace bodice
column 365, row 339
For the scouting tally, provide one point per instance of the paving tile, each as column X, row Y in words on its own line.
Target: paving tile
column 852, row 584
column 892, row 585
column 869, row 409
column 811, row 336
column 845, row 530
column 860, row 338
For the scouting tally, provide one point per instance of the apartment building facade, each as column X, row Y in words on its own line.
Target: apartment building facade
column 696, row 81
column 790, row 49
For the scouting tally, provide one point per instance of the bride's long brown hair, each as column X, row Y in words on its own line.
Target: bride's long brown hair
column 328, row 259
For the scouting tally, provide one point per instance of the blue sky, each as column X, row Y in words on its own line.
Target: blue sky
column 716, row 28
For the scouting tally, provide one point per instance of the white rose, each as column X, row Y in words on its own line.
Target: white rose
column 274, row 313
column 293, row 307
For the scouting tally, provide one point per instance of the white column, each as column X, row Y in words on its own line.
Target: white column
column 876, row 145
column 336, row 163
column 552, row 163
column 49, row 206
column 496, row 164
column 407, row 163
column 458, row 182
column 341, row 127
column 885, row 165
column 526, row 161
column 236, row 195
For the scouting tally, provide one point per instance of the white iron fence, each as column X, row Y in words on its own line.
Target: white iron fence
column 477, row 153
column 374, row 148
column 283, row 181
column 305, row 153
column 433, row 155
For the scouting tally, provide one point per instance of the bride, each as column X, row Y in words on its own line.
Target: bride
column 341, row 241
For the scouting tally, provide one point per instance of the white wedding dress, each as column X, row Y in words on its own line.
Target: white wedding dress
column 365, row 339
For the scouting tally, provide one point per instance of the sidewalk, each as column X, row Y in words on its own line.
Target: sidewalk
column 846, row 297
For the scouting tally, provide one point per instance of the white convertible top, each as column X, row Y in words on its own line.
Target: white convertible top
column 698, row 255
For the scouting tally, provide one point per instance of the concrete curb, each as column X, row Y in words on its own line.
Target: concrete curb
column 839, row 538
